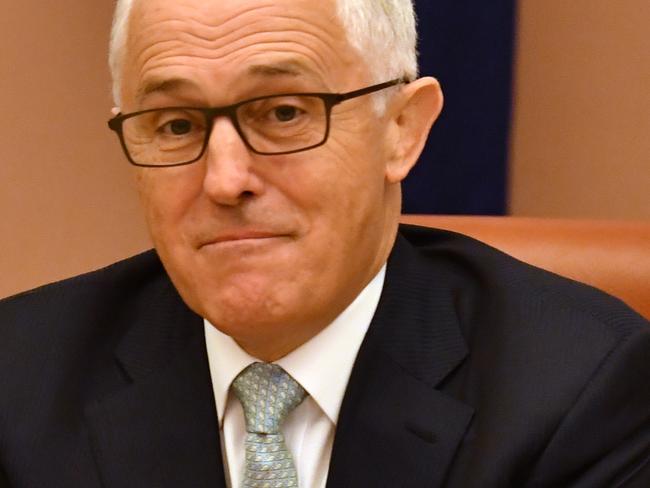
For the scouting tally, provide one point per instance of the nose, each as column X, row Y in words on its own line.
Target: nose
column 230, row 176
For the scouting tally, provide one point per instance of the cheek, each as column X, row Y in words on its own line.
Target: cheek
column 166, row 195
column 357, row 144
column 345, row 206
column 354, row 182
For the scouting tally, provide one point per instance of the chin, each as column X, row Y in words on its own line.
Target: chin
column 247, row 299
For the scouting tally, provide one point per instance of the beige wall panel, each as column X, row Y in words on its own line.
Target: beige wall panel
column 581, row 132
column 67, row 203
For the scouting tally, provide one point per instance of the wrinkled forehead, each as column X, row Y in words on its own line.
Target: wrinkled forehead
column 228, row 37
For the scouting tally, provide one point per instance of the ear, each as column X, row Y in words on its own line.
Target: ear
column 411, row 115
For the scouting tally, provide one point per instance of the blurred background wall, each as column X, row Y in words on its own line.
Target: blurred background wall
column 580, row 139
column 66, row 199
column 578, row 145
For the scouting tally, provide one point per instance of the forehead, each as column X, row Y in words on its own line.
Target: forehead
column 224, row 41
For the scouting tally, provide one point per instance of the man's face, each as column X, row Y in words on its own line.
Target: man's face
column 270, row 249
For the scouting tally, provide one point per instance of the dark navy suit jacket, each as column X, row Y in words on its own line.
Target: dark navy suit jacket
column 477, row 371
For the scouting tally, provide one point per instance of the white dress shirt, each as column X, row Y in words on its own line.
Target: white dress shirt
column 322, row 366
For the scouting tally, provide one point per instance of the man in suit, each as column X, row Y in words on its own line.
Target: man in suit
column 270, row 140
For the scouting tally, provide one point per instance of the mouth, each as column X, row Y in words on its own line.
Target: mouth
column 243, row 237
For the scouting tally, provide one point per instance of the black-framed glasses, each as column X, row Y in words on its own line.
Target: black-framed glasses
column 270, row 125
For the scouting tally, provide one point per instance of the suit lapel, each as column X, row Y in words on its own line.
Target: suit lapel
column 160, row 430
column 395, row 428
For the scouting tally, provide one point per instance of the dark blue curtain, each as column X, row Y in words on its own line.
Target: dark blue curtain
column 468, row 46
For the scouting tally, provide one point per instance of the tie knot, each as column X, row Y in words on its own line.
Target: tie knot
column 268, row 393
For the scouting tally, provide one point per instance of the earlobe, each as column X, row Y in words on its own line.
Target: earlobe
column 415, row 111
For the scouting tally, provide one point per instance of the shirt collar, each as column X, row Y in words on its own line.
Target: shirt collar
column 322, row 365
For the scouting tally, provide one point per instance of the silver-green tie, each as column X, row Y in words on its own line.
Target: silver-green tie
column 267, row 393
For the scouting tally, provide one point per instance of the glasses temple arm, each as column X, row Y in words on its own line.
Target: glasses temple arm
column 370, row 89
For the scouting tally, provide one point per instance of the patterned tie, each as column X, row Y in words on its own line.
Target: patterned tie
column 268, row 393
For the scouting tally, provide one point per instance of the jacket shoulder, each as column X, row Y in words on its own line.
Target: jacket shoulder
column 510, row 283
column 550, row 361
column 132, row 269
column 86, row 313
column 515, row 313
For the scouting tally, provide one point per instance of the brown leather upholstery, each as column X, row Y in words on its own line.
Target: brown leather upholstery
column 611, row 255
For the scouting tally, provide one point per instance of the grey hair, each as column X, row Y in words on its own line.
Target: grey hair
column 383, row 31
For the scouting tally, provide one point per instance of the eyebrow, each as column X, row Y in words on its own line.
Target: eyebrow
column 160, row 86
column 283, row 68
column 290, row 68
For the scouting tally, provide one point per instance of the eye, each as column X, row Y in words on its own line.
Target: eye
column 285, row 113
column 178, row 127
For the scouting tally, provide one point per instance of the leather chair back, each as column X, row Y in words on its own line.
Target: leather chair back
column 613, row 256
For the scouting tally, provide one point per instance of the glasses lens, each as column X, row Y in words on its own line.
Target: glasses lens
column 283, row 123
column 164, row 137
column 270, row 125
